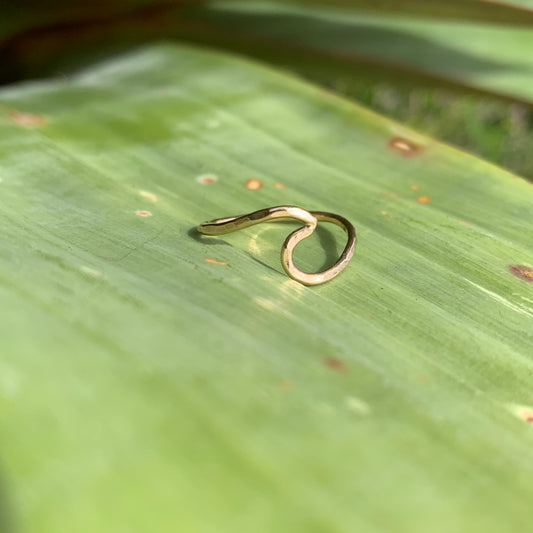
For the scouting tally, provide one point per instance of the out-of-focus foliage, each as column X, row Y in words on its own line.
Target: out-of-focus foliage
column 404, row 66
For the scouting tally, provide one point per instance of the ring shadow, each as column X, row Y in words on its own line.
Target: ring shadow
column 329, row 244
column 205, row 239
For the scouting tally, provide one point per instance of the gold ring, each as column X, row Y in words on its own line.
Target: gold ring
column 220, row 226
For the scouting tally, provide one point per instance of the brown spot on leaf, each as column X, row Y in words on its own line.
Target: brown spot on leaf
column 391, row 194
column 286, row 384
column 415, row 187
column 523, row 412
column 253, row 184
column 464, row 223
column 143, row 213
column 424, row 199
column 149, row 196
column 404, row 147
column 280, row 186
column 214, row 261
column 335, row 364
column 26, row 119
column 206, row 179
column 522, row 272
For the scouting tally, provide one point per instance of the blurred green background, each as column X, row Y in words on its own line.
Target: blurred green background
column 44, row 40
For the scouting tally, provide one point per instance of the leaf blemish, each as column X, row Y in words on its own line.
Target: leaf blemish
column 206, row 179
column 404, row 147
column 357, row 406
column 415, row 187
column 23, row 118
column 143, row 213
column 92, row 272
column 391, row 194
column 523, row 412
column 424, row 199
column 286, row 385
column 522, row 272
column 253, row 184
column 280, row 186
column 149, row 196
column 335, row 364
column 214, row 261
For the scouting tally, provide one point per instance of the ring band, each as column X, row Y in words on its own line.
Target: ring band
column 310, row 219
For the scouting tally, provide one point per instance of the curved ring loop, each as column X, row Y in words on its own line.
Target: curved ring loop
column 220, row 226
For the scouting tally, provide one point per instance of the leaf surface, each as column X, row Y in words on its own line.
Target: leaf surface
column 153, row 380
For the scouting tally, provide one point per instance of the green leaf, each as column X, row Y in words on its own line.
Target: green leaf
column 153, row 380
column 483, row 57
column 502, row 12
